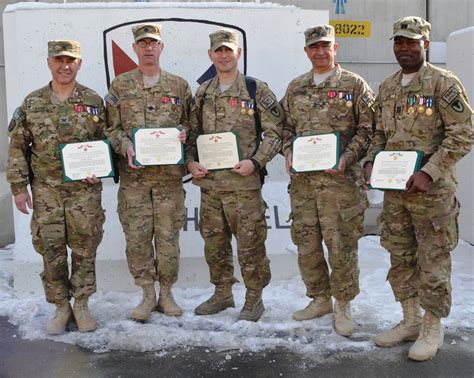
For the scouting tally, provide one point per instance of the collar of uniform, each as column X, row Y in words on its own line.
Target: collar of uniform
column 307, row 79
column 331, row 81
column 335, row 77
column 75, row 97
column 163, row 82
column 235, row 90
column 416, row 83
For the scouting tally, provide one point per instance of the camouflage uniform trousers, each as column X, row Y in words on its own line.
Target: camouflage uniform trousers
column 67, row 216
column 152, row 212
column 242, row 214
column 334, row 214
column 420, row 230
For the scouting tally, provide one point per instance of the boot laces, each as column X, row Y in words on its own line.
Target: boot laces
column 343, row 308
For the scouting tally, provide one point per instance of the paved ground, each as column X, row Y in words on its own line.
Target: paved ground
column 23, row 358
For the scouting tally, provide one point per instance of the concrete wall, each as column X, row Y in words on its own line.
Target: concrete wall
column 461, row 60
column 7, row 235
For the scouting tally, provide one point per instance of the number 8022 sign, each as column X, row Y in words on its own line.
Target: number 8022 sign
column 354, row 29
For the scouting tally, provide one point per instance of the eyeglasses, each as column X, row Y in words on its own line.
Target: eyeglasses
column 152, row 44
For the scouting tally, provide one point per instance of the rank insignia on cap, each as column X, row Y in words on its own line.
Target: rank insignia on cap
column 111, row 99
column 267, row 102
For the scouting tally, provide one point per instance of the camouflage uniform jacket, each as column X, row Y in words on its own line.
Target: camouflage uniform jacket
column 131, row 105
column 343, row 103
column 44, row 122
column 228, row 111
column 443, row 133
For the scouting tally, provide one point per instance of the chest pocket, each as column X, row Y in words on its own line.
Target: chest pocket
column 341, row 109
column 242, row 117
column 426, row 115
column 42, row 121
column 163, row 110
column 132, row 112
column 85, row 126
column 305, row 112
column 210, row 114
column 389, row 115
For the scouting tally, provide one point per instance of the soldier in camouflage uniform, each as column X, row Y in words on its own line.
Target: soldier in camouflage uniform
column 328, row 205
column 422, row 108
column 151, row 198
column 231, row 200
column 65, row 214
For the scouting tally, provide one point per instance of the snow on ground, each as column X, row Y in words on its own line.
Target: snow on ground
column 373, row 309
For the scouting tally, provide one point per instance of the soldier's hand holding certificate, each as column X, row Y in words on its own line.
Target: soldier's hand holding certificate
column 392, row 169
column 86, row 159
column 315, row 152
column 157, row 146
column 218, row 150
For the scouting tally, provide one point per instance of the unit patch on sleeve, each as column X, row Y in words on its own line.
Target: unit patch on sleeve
column 17, row 115
column 111, row 99
column 451, row 94
column 267, row 101
column 368, row 99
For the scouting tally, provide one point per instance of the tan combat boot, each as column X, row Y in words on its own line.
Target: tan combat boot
column 62, row 316
column 343, row 318
column 253, row 306
column 219, row 301
column 143, row 311
column 316, row 308
column 166, row 303
column 84, row 319
column 430, row 339
column 407, row 330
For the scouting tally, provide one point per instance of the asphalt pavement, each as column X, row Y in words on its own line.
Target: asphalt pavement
column 24, row 358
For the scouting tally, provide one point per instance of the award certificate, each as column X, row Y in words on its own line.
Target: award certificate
column 315, row 152
column 392, row 169
column 157, row 146
column 218, row 151
column 84, row 159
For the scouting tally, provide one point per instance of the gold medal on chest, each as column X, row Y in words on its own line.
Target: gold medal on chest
column 95, row 118
column 429, row 112
column 411, row 110
column 349, row 104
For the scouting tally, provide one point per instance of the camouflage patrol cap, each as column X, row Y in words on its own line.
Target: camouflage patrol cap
column 64, row 47
column 224, row 37
column 319, row 33
column 148, row 30
column 411, row 27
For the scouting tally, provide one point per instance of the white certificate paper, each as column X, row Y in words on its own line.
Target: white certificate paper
column 85, row 159
column 392, row 169
column 218, row 150
column 315, row 152
column 157, row 146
